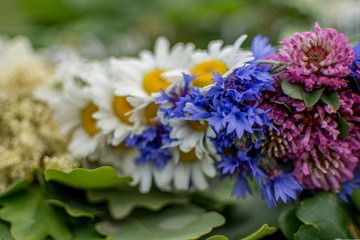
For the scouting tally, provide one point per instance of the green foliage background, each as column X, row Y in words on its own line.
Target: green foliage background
column 121, row 27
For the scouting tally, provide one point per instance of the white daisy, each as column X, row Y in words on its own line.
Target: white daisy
column 191, row 134
column 143, row 176
column 74, row 110
column 145, row 76
column 146, row 173
column 69, row 68
column 187, row 170
column 115, row 116
column 218, row 59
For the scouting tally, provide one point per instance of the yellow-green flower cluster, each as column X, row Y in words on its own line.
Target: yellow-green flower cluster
column 29, row 139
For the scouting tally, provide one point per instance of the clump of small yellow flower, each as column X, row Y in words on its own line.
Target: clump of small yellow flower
column 29, row 139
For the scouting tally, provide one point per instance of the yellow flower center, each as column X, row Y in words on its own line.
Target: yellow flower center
column 88, row 121
column 153, row 81
column 197, row 125
column 188, row 156
column 121, row 107
column 150, row 113
column 204, row 69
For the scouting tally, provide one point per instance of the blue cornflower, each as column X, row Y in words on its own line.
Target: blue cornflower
column 237, row 121
column 349, row 186
column 176, row 97
column 282, row 186
column 355, row 67
column 241, row 187
column 231, row 108
column 150, row 144
column 248, row 82
column 229, row 164
column 248, row 169
column 260, row 47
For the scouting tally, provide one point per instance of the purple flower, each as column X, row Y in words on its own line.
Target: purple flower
column 320, row 58
column 309, row 138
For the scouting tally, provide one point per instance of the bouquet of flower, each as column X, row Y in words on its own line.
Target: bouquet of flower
column 163, row 139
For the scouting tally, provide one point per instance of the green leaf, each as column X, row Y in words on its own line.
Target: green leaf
column 332, row 99
column 272, row 62
column 297, row 91
column 356, row 198
column 72, row 200
column 292, row 90
column 5, row 231
column 289, row 223
column 310, row 98
column 220, row 192
column 84, row 229
column 265, row 230
column 177, row 223
column 284, row 104
column 308, row 232
column 99, row 178
column 280, row 68
column 17, row 186
column 248, row 215
column 217, row 237
column 343, row 127
column 324, row 212
column 122, row 201
column 31, row 216
column 77, row 209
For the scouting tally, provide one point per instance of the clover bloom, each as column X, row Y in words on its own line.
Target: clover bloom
column 320, row 58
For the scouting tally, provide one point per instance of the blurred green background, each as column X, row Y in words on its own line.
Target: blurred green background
column 99, row 28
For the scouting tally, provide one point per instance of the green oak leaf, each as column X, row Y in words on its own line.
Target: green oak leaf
column 248, row 215
column 289, row 223
column 72, row 200
column 84, row 229
column 176, row 223
column 32, row 217
column 5, row 231
column 265, row 230
column 332, row 99
column 327, row 216
column 122, row 201
column 77, row 209
column 217, row 237
column 17, row 186
column 343, row 127
column 308, row 232
column 99, row 178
